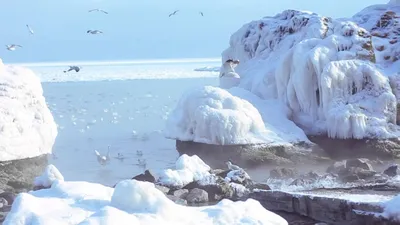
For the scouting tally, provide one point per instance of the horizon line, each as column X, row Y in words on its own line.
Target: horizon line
column 117, row 62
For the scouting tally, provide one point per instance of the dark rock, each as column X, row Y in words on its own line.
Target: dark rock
column 353, row 174
column 337, row 167
column 240, row 177
column 359, row 163
column 177, row 200
column 223, row 173
column 216, row 191
column 18, row 175
column 181, row 193
column 282, row 173
column 163, row 189
column 36, row 188
column 8, row 196
column 3, row 202
column 323, row 209
column 146, row 176
column 197, row 195
column 259, row 186
column 392, row 170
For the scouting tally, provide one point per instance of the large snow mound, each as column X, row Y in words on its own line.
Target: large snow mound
column 187, row 169
column 323, row 70
column 212, row 115
column 49, row 176
column 27, row 128
column 131, row 202
column 392, row 208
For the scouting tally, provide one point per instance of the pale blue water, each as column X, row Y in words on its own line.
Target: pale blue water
column 127, row 115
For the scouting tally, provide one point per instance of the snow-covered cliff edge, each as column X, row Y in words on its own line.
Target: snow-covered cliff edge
column 332, row 74
column 27, row 128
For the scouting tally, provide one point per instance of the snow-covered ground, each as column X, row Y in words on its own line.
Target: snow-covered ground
column 127, row 115
column 131, row 202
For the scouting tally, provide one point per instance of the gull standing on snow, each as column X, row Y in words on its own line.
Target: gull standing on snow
column 103, row 159
column 98, row 10
column 76, row 68
column 174, row 13
column 232, row 166
column 12, row 47
column 94, row 31
column 29, row 29
column 227, row 76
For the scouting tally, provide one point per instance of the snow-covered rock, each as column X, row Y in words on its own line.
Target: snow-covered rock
column 187, row 169
column 49, row 176
column 324, row 70
column 27, row 128
column 131, row 202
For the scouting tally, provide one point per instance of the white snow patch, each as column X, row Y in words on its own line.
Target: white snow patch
column 27, row 128
column 131, row 202
column 187, row 169
column 49, row 176
column 212, row 115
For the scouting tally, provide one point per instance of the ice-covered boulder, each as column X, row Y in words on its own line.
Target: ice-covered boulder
column 27, row 128
column 49, row 176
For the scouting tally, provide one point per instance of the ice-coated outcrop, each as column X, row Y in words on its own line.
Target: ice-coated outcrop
column 27, row 128
column 332, row 74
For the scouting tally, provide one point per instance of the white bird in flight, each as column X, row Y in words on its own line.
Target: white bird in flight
column 95, row 31
column 98, row 10
column 103, row 159
column 174, row 13
column 12, row 47
column 30, row 29
column 76, row 68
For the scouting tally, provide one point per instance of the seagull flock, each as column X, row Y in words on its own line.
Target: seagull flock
column 13, row 47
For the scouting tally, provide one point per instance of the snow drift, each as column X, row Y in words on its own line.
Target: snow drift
column 327, row 72
column 27, row 128
column 131, row 202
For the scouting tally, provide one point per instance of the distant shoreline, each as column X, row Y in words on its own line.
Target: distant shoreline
column 119, row 62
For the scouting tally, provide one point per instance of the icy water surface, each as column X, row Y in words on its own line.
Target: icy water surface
column 127, row 115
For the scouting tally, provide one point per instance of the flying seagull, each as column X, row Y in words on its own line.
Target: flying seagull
column 174, row 13
column 103, row 159
column 76, row 68
column 94, row 31
column 30, row 29
column 12, row 47
column 98, row 10
column 201, row 13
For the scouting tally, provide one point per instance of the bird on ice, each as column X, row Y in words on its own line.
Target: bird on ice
column 12, row 47
column 174, row 13
column 232, row 166
column 76, row 68
column 29, row 29
column 227, row 76
column 98, row 10
column 103, row 159
column 94, row 31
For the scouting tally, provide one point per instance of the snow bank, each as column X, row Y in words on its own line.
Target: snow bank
column 131, row 202
column 392, row 208
column 187, row 170
column 50, row 175
column 27, row 128
column 214, row 116
column 323, row 70
column 208, row 69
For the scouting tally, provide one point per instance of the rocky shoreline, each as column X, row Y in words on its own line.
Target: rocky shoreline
column 300, row 207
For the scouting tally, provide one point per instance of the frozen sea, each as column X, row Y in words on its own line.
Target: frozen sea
column 123, row 105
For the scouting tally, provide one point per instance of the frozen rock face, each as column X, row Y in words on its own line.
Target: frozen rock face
column 323, row 70
column 27, row 128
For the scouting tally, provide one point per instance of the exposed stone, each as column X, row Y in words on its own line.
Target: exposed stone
column 146, row 176
column 282, row 173
column 177, row 200
column 216, row 191
column 181, row 193
column 359, row 163
column 337, row 167
column 163, row 189
column 197, row 195
column 8, row 196
column 352, row 174
column 18, row 175
column 392, row 170
column 259, row 186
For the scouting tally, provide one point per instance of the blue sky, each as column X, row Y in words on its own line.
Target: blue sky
column 139, row 29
